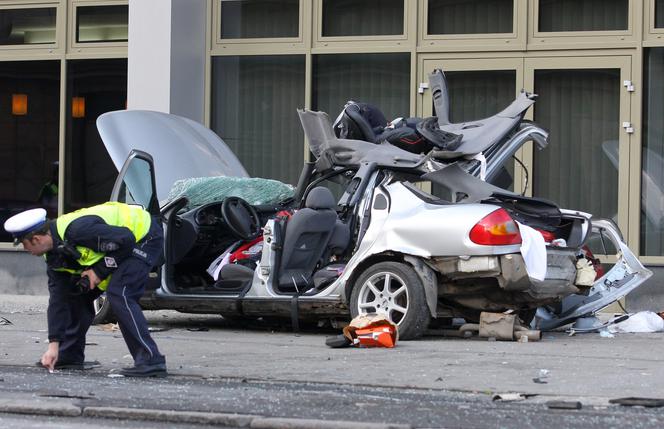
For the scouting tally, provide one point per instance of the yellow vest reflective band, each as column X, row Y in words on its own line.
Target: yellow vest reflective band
column 113, row 213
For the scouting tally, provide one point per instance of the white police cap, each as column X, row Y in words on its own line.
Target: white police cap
column 25, row 222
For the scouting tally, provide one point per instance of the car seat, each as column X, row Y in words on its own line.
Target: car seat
column 307, row 236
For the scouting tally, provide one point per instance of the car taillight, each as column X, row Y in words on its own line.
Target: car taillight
column 547, row 235
column 496, row 229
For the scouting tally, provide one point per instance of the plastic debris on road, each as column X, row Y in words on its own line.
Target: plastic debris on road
column 511, row 397
column 367, row 330
column 606, row 334
column 638, row 402
column 564, row 405
column 4, row 321
column 109, row 327
column 641, row 322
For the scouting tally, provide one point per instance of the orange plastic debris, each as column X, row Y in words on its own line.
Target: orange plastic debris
column 372, row 330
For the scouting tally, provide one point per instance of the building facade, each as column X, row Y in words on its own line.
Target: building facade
column 598, row 66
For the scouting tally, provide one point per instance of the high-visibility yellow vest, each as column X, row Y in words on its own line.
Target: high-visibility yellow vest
column 113, row 213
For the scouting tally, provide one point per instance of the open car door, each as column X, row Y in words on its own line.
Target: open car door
column 136, row 182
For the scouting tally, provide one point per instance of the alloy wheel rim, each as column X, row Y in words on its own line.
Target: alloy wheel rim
column 99, row 303
column 384, row 293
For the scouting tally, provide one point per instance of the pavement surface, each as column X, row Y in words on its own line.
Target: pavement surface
column 267, row 376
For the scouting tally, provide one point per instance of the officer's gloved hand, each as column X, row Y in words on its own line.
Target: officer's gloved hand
column 82, row 286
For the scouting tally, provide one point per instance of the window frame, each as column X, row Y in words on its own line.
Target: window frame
column 50, row 48
column 395, row 41
column 627, row 210
column 584, row 39
column 92, row 47
column 516, row 40
column 652, row 35
column 258, row 46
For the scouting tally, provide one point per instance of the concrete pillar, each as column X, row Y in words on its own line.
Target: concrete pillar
column 166, row 70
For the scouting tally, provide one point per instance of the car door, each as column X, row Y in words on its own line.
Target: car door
column 136, row 182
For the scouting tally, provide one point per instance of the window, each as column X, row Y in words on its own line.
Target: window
column 652, row 178
column 470, row 16
column 583, row 15
column 659, row 13
column 579, row 168
column 254, row 110
column 250, row 19
column 379, row 79
column 93, row 87
column 29, row 102
column 362, row 18
column 102, row 23
column 27, row 26
column 479, row 94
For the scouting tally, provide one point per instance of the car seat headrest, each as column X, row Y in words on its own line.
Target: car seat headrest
column 320, row 198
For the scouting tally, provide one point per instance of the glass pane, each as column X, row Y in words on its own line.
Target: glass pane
column 29, row 125
column 254, row 110
column 93, row 87
column 362, row 18
column 579, row 168
column 652, row 178
column 102, row 23
column 470, row 16
column 659, row 13
column 479, row 94
column 583, row 15
column 248, row 19
column 27, row 26
column 380, row 79
column 137, row 184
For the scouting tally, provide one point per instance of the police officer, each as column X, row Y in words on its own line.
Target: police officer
column 109, row 247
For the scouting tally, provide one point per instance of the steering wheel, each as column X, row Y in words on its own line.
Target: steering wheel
column 241, row 218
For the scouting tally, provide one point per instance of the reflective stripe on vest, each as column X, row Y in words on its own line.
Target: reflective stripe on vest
column 113, row 213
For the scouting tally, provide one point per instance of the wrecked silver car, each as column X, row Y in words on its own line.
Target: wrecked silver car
column 370, row 228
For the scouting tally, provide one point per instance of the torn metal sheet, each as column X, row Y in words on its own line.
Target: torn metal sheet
column 626, row 275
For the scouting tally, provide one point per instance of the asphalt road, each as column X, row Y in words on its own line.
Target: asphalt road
column 267, row 372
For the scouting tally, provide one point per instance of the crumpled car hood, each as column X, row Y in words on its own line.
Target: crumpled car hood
column 181, row 148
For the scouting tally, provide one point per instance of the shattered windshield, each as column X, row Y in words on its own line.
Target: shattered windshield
column 204, row 190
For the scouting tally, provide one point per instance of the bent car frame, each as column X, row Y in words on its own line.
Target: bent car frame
column 370, row 228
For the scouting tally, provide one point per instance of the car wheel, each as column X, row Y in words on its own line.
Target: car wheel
column 395, row 290
column 103, row 311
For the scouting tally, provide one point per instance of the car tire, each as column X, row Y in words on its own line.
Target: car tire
column 402, row 299
column 103, row 311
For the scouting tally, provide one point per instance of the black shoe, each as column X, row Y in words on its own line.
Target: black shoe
column 145, row 370
column 73, row 365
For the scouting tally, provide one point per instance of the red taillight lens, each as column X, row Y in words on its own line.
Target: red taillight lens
column 548, row 236
column 496, row 229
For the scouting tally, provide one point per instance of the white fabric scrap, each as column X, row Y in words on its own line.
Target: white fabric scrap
column 221, row 260
column 533, row 250
column 643, row 321
column 482, row 159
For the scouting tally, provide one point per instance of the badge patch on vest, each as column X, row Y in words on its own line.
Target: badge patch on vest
column 110, row 262
column 139, row 253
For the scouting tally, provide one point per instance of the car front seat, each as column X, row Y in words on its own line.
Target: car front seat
column 307, row 235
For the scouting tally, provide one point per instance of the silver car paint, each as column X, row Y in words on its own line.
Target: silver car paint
column 180, row 147
column 405, row 227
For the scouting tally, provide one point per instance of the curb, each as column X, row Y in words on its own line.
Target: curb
column 64, row 408
column 287, row 423
column 60, row 408
column 197, row 417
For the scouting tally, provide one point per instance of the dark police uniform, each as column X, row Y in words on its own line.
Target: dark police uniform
column 121, row 244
